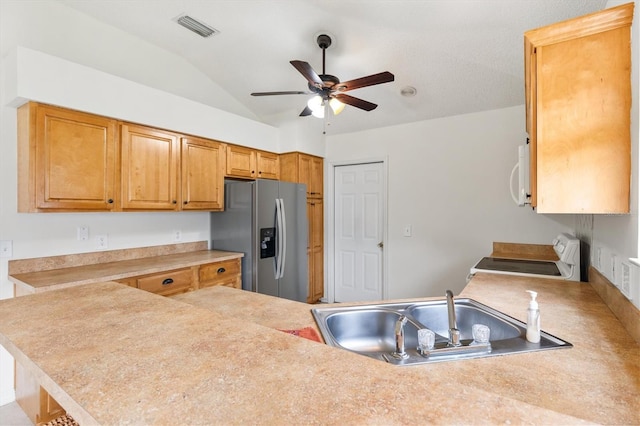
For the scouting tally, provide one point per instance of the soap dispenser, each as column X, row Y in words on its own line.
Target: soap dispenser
column 533, row 319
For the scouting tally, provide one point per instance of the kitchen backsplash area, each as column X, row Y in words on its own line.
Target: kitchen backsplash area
column 614, row 276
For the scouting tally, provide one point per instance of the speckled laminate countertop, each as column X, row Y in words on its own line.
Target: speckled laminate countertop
column 47, row 280
column 111, row 354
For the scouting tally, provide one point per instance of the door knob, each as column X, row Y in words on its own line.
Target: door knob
column 381, row 244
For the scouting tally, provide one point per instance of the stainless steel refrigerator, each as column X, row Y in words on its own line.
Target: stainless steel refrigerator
column 267, row 221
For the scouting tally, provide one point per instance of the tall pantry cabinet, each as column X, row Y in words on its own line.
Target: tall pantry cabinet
column 308, row 169
column 578, row 107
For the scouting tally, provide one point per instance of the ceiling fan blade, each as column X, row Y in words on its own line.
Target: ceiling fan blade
column 292, row 92
column 305, row 69
column 356, row 102
column 370, row 80
column 305, row 112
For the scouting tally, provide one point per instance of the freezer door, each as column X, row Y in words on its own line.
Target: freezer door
column 294, row 281
column 266, row 192
column 233, row 229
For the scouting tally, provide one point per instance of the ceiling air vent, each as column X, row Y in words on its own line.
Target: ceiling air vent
column 200, row 28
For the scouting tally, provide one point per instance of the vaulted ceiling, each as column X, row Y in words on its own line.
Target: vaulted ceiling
column 461, row 56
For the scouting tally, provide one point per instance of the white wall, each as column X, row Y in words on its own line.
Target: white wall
column 448, row 178
column 93, row 67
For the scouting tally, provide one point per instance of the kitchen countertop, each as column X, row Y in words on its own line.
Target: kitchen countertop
column 111, row 354
column 51, row 279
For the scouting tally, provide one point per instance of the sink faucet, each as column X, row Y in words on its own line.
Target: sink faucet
column 399, row 332
column 454, row 333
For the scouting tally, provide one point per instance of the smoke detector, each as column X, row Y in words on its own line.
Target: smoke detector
column 408, row 91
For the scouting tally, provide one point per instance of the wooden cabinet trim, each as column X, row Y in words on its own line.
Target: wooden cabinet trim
column 583, row 26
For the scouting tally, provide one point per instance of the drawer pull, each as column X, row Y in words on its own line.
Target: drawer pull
column 221, row 270
column 167, row 281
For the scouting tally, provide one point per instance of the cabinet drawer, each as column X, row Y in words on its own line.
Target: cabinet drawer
column 219, row 273
column 167, row 282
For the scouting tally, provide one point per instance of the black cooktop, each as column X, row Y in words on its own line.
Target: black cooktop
column 520, row 266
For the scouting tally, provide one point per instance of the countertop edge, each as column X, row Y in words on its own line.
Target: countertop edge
column 35, row 282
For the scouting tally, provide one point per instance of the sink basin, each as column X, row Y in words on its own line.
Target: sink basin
column 370, row 330
column 434, row 317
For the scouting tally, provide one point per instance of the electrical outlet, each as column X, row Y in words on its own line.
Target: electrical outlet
column 625, row 279
column 102, row 242
column 6, row 248
column 613, row 270
column 82, row 233
column 177, row 236
column 406, row 231
column 597, row 259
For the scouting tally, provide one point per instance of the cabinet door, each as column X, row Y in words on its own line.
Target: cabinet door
column 202, row 174
column 150, row 161
column 315, row 250
column 578, row 103
column 241, row 162
column 268, row 165
column 67, row 160
column 316, row 177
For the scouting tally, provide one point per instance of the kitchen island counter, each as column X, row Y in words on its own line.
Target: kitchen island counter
column 111, row 354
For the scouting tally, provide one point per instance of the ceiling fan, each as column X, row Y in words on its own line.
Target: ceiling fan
column 328, row 89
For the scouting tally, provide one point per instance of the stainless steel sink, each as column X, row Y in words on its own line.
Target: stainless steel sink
column 369, row 330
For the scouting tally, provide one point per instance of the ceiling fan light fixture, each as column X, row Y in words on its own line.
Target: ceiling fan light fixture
column 316, row 105
column 198, row 27
column 336, row 106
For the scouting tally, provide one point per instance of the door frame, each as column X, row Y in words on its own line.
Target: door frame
column 331, row 225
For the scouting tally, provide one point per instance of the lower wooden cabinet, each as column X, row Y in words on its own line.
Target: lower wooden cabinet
column 227, row 273
column 34, row 400
column 169, row 283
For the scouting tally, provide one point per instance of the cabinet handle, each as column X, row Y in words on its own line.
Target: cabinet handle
column 167, row 281
column 221, row 270
column 110, row 201
column 186, row 202
column 175, row 202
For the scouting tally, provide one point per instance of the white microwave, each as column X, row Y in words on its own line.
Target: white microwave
column 523, row 195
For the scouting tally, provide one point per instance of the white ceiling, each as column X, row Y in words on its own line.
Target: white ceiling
column 462, row 56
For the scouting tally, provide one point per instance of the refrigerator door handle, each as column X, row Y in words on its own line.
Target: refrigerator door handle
column 284, row 238
column 279, row 235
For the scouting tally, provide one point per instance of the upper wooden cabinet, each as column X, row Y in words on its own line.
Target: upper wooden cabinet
column 149, row 171
column 66, row 160
column 247, row 163
column 303, row 168
column 163, row 171
column 578, row 102
column 202, row 174
column 268, row 165
column 74, row 161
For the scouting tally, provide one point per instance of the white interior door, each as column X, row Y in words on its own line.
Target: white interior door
column 359, row 217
